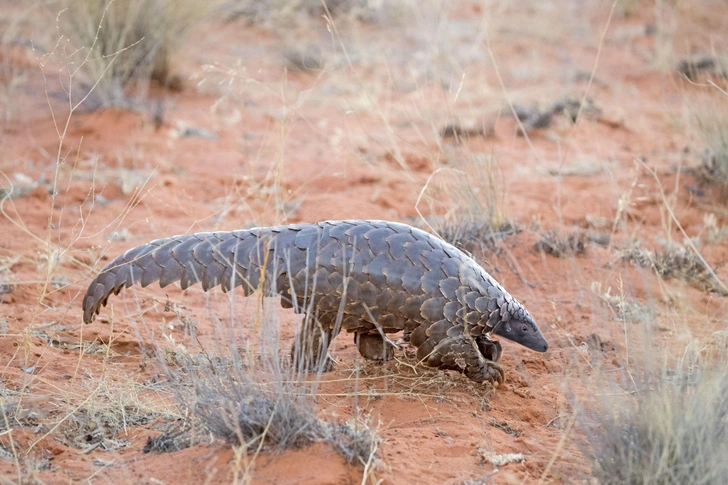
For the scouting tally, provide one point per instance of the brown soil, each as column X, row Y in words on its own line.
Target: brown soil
column 360, row 139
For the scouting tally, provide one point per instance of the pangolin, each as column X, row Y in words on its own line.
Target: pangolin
column 369, row 278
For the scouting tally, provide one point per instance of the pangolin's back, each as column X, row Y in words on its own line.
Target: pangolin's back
column 393, row 273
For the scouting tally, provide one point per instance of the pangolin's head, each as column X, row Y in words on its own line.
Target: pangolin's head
column 521, row 328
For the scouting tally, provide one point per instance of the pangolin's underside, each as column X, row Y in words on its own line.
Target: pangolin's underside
column 367, row 277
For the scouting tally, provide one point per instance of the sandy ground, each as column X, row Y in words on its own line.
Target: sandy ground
column 253, row 140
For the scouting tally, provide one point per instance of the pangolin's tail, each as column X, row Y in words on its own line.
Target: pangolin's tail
column 263, row 257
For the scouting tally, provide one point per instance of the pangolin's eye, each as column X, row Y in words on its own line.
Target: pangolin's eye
column 524, row 328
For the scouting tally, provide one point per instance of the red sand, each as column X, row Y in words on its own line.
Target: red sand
column 360, row 140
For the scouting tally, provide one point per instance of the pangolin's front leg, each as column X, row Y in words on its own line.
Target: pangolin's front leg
column 491, row 349
column 463, row 354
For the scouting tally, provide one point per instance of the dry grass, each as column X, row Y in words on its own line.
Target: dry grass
column 14, row 62
column 253, row 397
column 103, row 417
column 670, row 428
column 129, row 43
column 556, row 244
column 713, row 125
column 679, row 263
column 464, row 204
column 624, row 308
column 278, row 13
column 244, row 408
column 474, row 234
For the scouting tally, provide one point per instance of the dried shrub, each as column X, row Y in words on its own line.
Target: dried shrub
column 696, row 64
column 243, row 405
column 715, row 161
column 534, row 118
column 472, row 234
column 673, row 430
column 465, row 204
column 255, row 396
column 285, row 12
column 177, row 436
column 680, row 263
column 624, row 308
column 712, row 123
column 125, row 43
column 105, row 422
column 563, row 246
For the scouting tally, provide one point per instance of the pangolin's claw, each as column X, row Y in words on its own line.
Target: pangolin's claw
column 495, row 372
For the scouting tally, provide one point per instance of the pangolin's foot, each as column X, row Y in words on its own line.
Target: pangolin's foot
column 466, row 356
column 374, row 347
column 486, row 371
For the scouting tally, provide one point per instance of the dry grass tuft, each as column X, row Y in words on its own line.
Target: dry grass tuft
column 14, row 65
column 696, row 64
column 245, row 407
column 679, row 263
column 464, row 204
column 129, row 43
column 534, row 118
column 712, row 123
column 104, row 422
column 253, row 395
column 673, row 429
column 563, row 246
column 177, row 436
column 13, row 414
column 103, row 428
column 715, row 161
column 624, row 308
column 475, row 234
column 279, row 13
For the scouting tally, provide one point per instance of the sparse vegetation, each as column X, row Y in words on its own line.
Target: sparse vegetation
column 556, row 244
column 713, row 125
column 671, row 429
column 244, row 408
column 679, row 263
column 465, row 204
column 699, row 63
column 279, row 13
column 253, row 398
column 14, row 66
column 624, row 308
column 125, row 44
column 571, row 108
column 344, row 109
column 474, row 234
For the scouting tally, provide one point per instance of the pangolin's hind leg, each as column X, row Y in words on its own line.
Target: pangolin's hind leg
column 464, row 355
column 310, row 351
column 374, row 347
